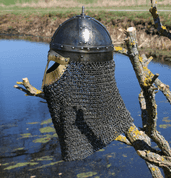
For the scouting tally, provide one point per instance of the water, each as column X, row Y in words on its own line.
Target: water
column 28, row 142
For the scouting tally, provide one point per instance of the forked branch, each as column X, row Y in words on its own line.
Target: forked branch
column 29, row 89
column 148, row 105
column 158, row 25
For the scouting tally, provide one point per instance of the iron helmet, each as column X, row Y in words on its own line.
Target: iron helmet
column 82, row 38
column 80, row 88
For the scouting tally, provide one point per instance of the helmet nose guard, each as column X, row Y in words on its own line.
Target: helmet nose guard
column 82, row 38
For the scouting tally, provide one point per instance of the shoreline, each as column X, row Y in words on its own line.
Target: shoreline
column 40, row 28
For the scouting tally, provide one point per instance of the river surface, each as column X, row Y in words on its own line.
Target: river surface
column 28, row 143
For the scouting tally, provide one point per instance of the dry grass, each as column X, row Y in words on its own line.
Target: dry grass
column 89, row 3
column 2, row 5
column 46, row 25
column 144, row 40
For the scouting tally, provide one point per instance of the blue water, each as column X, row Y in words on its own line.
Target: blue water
column 19, row 59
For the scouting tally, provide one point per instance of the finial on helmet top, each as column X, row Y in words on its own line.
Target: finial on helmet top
column 82, row 14
column 83, row 36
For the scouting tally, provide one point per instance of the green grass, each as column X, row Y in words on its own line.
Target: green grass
column 62, row 10
column 86, row 1
column 144, row 3
column 101, row 13
column 12, row 2
column 95, row 7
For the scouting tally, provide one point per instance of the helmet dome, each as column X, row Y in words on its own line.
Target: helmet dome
column 83, row 38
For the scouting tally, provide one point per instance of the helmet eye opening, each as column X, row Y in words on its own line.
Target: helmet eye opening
column 53, row 66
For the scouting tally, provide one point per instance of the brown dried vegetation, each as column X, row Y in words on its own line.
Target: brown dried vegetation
column 45, row 26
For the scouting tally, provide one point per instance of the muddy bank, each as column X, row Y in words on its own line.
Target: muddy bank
column 42, row 27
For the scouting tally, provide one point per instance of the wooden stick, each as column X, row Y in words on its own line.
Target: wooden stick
column 161, row 29
column 123, row 139
column 141, row 143
column 146, row 80
column 30, row 90
column 121, row 50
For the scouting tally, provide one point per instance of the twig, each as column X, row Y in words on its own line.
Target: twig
column 155, row 171
column 30, row 90
column 161, row 29
column 141, row 143
column 121, row 50
column 131, row 43
column 164, row 88
column 142, row 43
column 161, row 86
column 123, row 139
column 148, row 61
column 149, row 123
column 161, row 161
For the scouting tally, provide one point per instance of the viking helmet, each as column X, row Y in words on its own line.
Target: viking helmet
column 80, row 88
column 82, row 38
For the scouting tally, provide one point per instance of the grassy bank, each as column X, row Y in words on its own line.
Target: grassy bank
column 66, row 7
column 33, row 19
column 74, row 3
column 44, row 6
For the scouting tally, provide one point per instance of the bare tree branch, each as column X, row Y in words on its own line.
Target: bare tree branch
column 29, row 89
column 161, row 29
column 146, row 81
column 121, row 50
column 123, row 139
column 141, row 143
column 149, row 107
column 151, row 78
column 155, row 171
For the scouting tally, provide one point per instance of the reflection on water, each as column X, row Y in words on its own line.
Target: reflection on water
column 28, row 142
